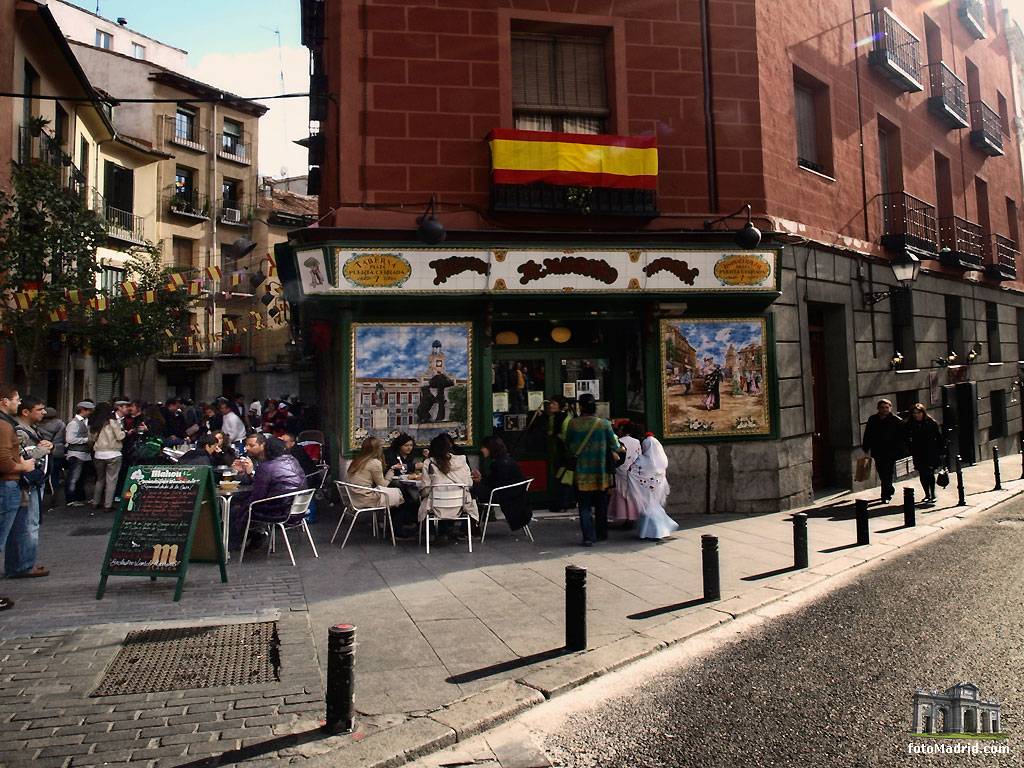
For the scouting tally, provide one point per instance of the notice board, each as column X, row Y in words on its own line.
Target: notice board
column 168, row 517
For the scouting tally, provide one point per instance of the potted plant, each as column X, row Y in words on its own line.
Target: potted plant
column 65, row 158
column 36, row 125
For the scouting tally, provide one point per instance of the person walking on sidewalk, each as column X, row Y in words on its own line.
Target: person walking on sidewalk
column 12, row 465
column 589, row 439
column 107, row 457
column 926, row 446
column 23, row 540
column 79, row 450
column 884, row 440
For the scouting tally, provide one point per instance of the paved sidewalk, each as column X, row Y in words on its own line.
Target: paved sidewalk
column 448, row 644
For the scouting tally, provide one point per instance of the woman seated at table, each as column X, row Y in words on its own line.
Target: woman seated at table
column 514, row 503
column 441, row 467
column 399, row 455
column 226, row 456
column 202, row 455
column 367, row 469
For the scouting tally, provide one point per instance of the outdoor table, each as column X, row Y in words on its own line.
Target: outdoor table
column 224, row 497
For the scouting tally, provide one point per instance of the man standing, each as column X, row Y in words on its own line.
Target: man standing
column 53, row 428
column 883, row 439
column 589, row 439
column 23, row 540
column 79, row 452
column 231, row 425
column 11, row 467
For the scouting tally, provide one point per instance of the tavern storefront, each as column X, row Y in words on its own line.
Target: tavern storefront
column 473, row 338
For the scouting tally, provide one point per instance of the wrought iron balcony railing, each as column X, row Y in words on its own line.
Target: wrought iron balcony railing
column 948, row 101
column 189, row 202
column 235, row 212
column 77, row 182
column 234, row 148
column 185, row 133
column 120, row 224
column 972, row 14
column 963, row 244
column 545, row 198
column 986, row 129
column 908, row 223
column 1001, row 257
column 38, row 145
column 897, row 52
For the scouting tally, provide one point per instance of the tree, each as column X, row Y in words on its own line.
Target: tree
column 132, row 331
column 48, row 241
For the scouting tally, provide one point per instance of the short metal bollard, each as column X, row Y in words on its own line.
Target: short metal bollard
column 995, row 463
column 800, row 540
column 341, row 695
column 709, row 560
column 575, row 608
column 961, row 495
column 860, row 507
column 909, row 513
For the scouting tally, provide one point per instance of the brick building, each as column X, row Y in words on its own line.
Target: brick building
column 858, row 135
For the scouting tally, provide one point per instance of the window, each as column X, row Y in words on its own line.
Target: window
column 83, row 157
column 30, row 86
column 905, row 402
column 981, row 196
column 185, row 123
column 231, row 139
column 954, row 328
column 184, row 186
column 60, row 125
column 181, row 251
column 901, row 310
column 997, row 400
column 995, row 353
column 1011, row 220
column 228, row 258
column 1020, row 334
column 229, row 193
column 119, row 187
column 138, row 51
column 1004, row 117
column 111, row 278
column 813, row 123
column 104, row 40
column 558, row 84
column 943, row 187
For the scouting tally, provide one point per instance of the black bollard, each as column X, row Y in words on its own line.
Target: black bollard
column 1022, row 455
column 709, row 559
column 800, row 540
column 341, row 678
column 909, row 517
column 962, row 497
column 860, row 507
column 995, row 463
column 575, row 608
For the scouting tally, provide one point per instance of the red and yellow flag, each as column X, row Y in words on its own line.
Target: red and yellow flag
column 573, row 159
column 177, row 279
column 194, row 287
column 272, row 267
column 21, row 300
column 137, row 318
column 130, row 288
column 168, row 333
column 75, row 296
column 229, row 325
column 235, row 278
column 149, row 296
column 99, row 303
column 214, row 273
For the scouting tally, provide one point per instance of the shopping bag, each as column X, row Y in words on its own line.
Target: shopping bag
column 942, row 479
column 566, row 476
column 863, row 471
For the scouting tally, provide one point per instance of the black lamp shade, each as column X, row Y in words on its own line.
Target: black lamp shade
column 431, row 230
column 906, row 267
column 257, row 278
column 243, row 246
column 748, row 237
column 273, row 311
column 267, row 298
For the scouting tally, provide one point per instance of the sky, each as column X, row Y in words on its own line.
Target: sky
column 401, row 351
column 712, row 339
column 231, row 44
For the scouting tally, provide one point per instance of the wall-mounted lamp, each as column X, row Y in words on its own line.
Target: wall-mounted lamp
column 430, row 229
column 974, row 352
column 946, row 361
column 896, row 361
column 905, row 268
column 748, row 236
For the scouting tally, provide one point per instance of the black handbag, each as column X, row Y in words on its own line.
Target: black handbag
column 942, row 478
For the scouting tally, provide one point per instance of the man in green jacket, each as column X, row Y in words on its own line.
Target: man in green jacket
column 589, row 439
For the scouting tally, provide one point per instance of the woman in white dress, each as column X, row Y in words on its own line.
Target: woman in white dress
column 621, row 506
column 648, row 488
column 443, row 467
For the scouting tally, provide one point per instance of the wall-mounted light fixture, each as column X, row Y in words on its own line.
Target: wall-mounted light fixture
column 430, row 229
column 974, row 352
column 896, row 361
column 905, row 268
column 946, row 361
column 748, row 236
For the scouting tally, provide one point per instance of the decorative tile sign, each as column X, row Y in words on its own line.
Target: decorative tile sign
column 337, row 270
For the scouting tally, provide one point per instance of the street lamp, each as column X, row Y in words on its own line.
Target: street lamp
column 747, row 237
column 905, row 268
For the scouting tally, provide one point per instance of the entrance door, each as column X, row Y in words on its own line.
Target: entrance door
column 958, row 420
column 821, row 441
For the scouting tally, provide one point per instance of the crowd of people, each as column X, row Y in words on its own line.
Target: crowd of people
column 888, row 438
column 85, row 460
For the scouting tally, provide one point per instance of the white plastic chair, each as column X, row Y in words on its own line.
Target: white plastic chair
column 345, row 492
column 293, row 517
column 447, row 501
column 492, row 504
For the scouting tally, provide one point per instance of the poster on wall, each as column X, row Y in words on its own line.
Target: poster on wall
column 413, row 378
column 715, row 377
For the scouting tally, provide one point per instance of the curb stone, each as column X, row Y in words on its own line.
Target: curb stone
column 479, row 711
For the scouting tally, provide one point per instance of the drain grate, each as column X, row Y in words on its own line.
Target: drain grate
column 157, row 660
column 91, row 530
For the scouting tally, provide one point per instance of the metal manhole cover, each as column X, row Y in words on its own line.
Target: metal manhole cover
column 91, row 530
column 157, row 660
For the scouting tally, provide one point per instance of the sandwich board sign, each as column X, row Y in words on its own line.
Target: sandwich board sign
column 169, row 517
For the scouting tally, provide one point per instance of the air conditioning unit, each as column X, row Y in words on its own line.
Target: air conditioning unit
column 232, row 215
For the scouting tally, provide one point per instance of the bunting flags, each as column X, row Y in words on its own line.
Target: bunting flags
column 137, row 318
column 214, row 273
column 21, row 301
column 194, row 286
column 177, row 279
column 229, row 325
column 75, row 296
column 100, row 303
column 272, row 268
column 130, row 289
column 149, row 296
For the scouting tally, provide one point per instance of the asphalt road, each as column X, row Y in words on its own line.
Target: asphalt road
column 831, row 684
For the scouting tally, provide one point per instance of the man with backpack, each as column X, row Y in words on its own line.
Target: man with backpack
column 12, row 465
column 79, row 452
column 23, row 540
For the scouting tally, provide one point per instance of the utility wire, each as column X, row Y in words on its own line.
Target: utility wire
column 100, row 100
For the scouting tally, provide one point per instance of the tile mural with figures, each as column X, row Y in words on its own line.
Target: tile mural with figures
column 715, row 377
column 413, row 378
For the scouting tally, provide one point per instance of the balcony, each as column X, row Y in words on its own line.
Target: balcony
column 38, row 146
column 908, row 224
column 947, row 102
column 897, row 52
column 1001, row 257
column 546, row 198
column 190, row 203
column 972, row 14
column 234, row 213
column 963, row 245
column 185, row 133
column 121, row 225
column 986, row 129
column 234, row 148
column 77, row 183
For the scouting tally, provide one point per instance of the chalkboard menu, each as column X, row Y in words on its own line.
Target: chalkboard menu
column 168, row 517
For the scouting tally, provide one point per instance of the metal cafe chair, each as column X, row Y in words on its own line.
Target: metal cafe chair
column 447, row 501
column 492, row 504
column 292, row 517
column 352, row 508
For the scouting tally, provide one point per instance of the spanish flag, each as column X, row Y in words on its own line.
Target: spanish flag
column 257, row 320
column 174, row 347
column 235, row 278
column 99, row 303
column 229, row 325
column 149, row 296
column 177, row 279
column 214, row 273
column 130, row 289
column 168, row 333
column 573, row 159
column 21, row 300
column 194, row 286
column 137, row 318
column 272, row 267
column 75, row 296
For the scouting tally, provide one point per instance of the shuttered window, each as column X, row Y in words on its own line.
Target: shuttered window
column 558, row 84
column 806, row 128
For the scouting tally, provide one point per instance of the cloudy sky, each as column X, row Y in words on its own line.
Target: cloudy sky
column 232, row 44
column 713, row 339
column 401, row 351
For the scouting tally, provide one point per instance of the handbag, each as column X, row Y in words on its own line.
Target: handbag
column 942, row 478
column 863, row 471
column 567, row 473
column 613, row 460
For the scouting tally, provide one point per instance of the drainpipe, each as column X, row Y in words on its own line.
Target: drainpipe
column 709, row 115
